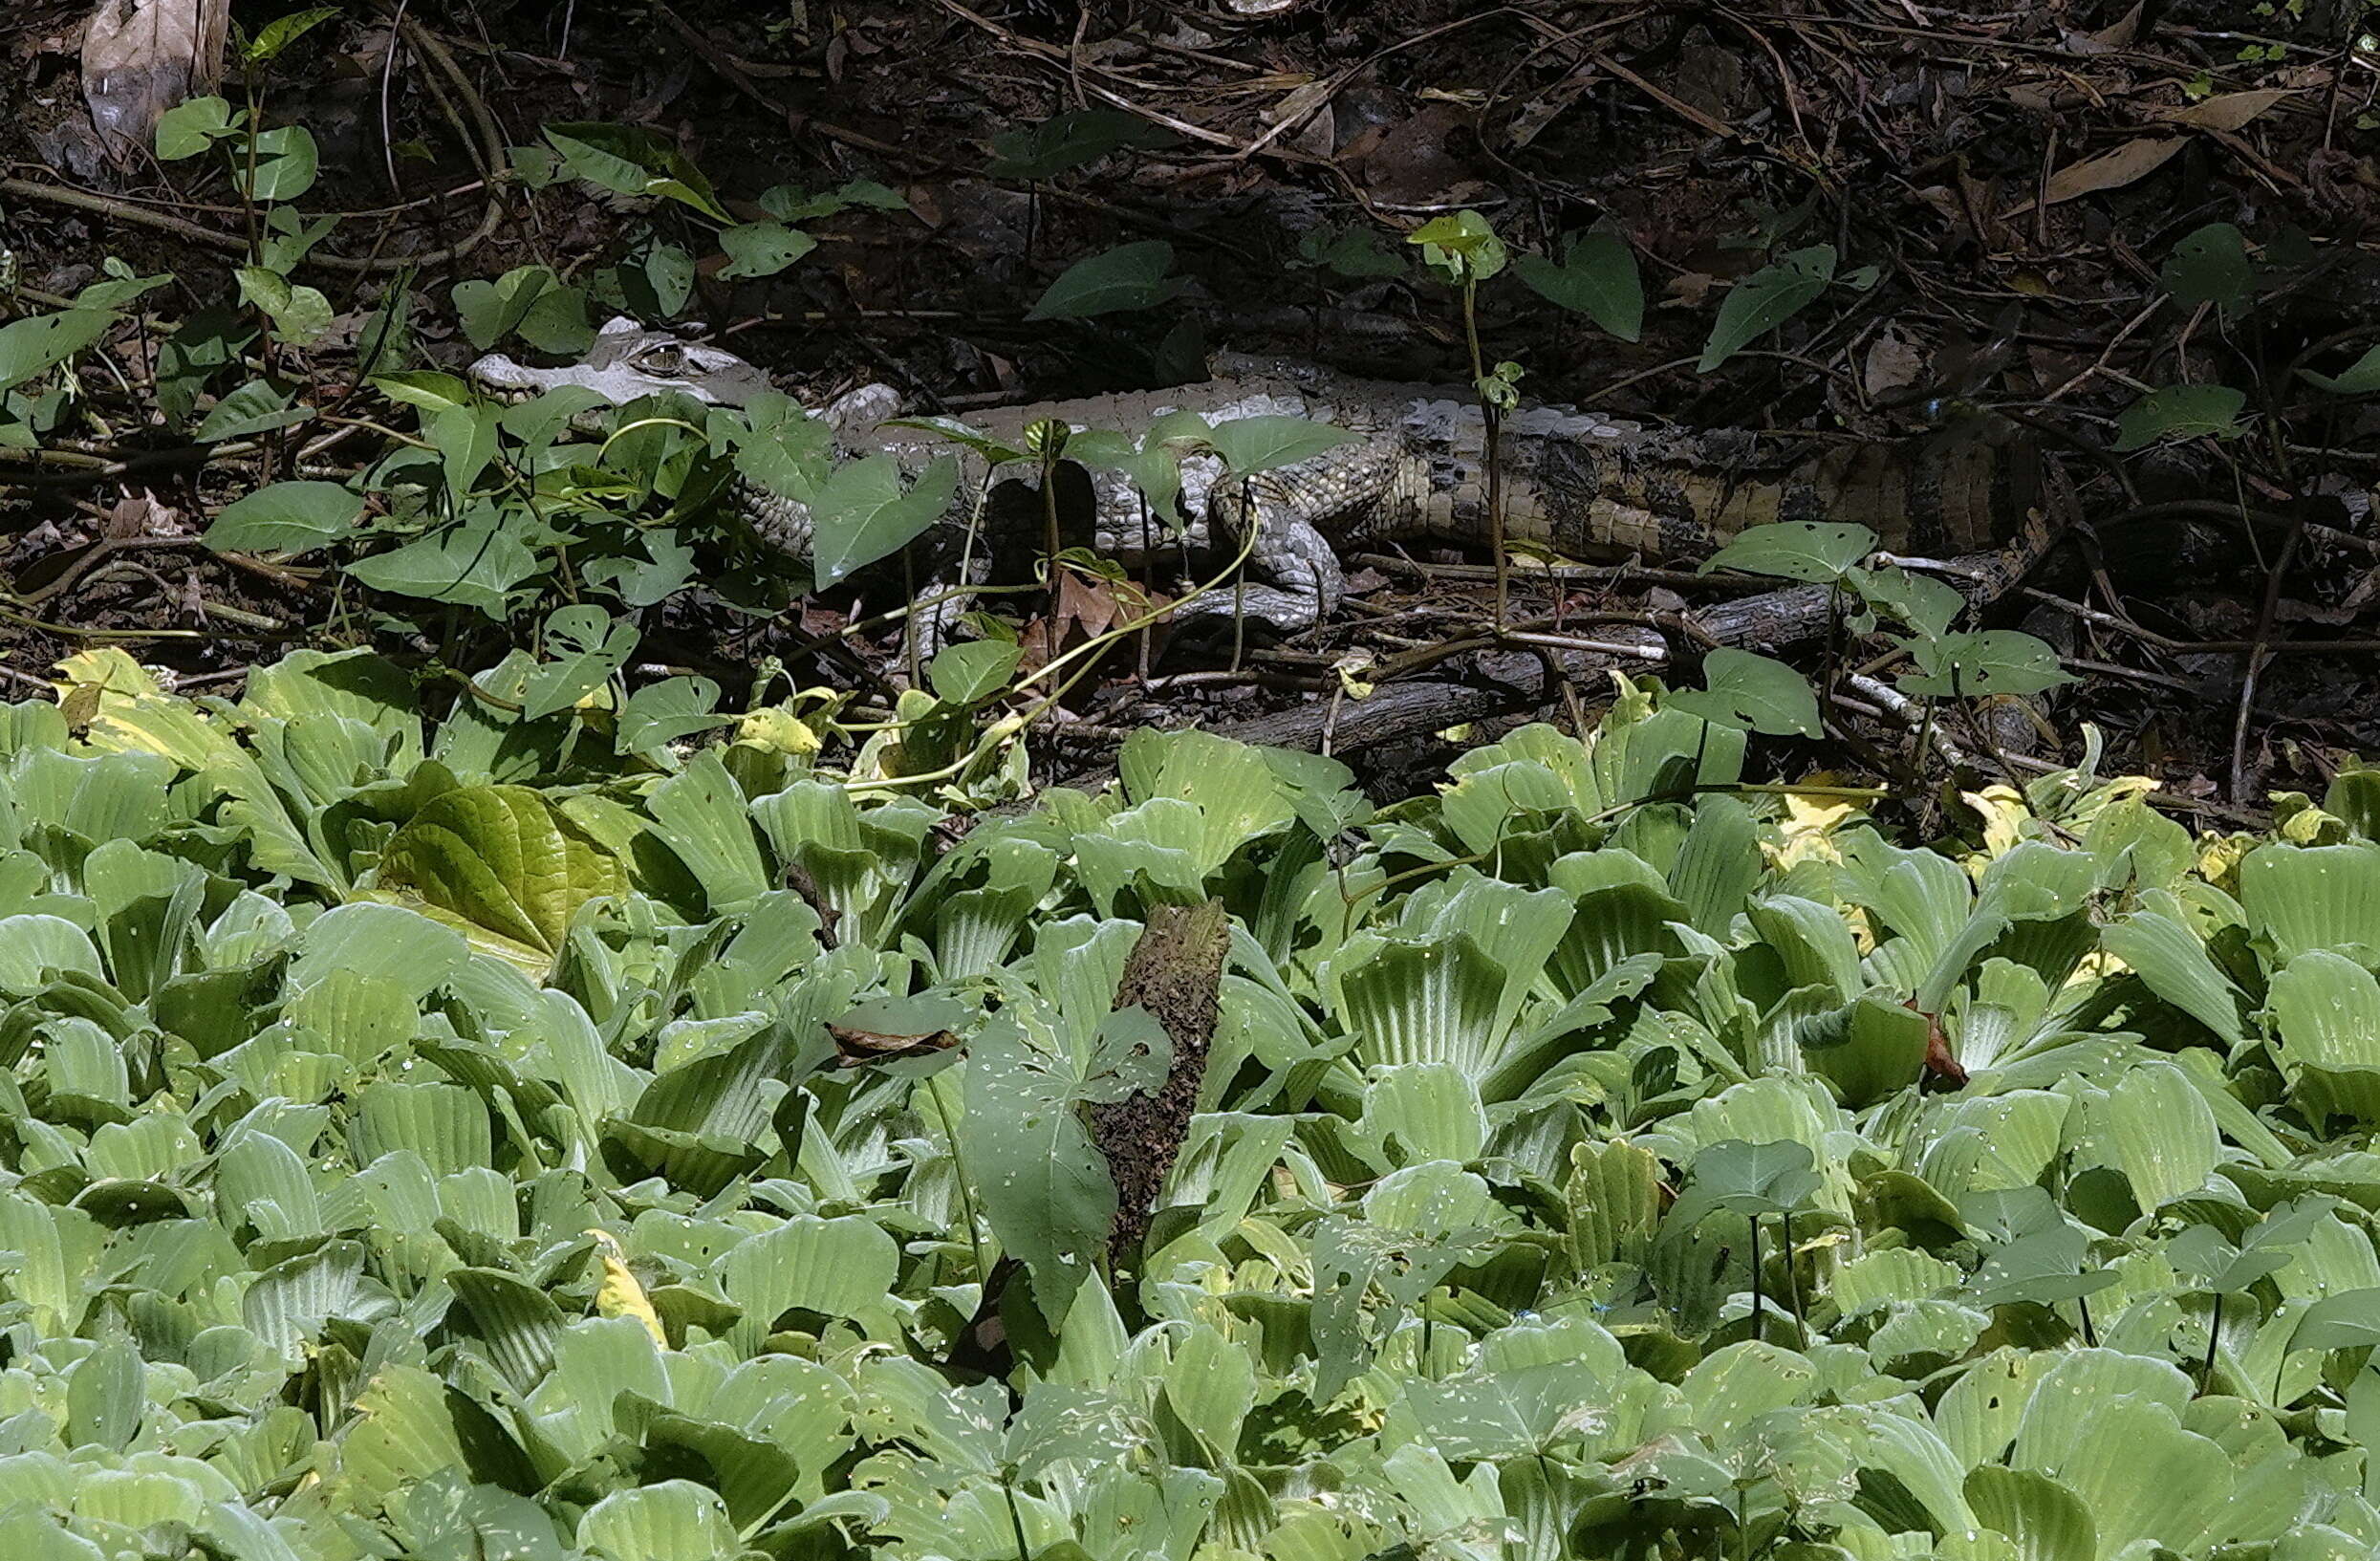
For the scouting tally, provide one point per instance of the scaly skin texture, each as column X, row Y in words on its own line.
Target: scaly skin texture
column 1574, row 482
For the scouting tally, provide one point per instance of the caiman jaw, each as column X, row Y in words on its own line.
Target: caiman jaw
column 626, row 362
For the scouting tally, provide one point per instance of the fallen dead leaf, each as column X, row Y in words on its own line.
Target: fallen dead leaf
column 1690, row 287
column 2229, row 112
column 1894, row 363
column 141, row 57
column 2107, row 39
column 858, row 1047
column 2133, row 161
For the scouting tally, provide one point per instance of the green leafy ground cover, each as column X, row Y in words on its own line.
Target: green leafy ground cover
column 425, row 1139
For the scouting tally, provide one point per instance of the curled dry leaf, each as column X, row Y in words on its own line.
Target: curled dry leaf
column 1940, row 1062
column 141, row 57
column 860, row 1048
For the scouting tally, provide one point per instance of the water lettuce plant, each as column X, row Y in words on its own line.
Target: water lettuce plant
column 444, row 1138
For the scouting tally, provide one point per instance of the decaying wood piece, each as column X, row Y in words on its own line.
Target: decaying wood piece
column 1176, row 973
column 141, row 57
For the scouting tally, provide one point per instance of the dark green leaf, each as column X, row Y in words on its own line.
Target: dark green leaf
column 2360, row 378
column 762, row 248
column 285, row 518
column 1253, row 445
column 634, row 160
column 1752, row 693
column 1597, row 277
column 971, row 673
column 2210, row 267
column 1992, row 661
column 861, row 514
column 285, row 164
column 35, row 346
column 1069, row 140
column 252, row 409
column 1129, row 276
column 1766, row 300
column 1796, row 550
column 281, row 32
column 493, row 310
column 188, row 128
column 298, row 312
column 2180, row 412
column 475, row 566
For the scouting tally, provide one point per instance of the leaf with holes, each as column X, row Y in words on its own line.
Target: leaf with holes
column 1752, row 693
column 1796, row 550
column 1991, row 662
column 762, row 248
column 2180, row 412
column 2210, row 265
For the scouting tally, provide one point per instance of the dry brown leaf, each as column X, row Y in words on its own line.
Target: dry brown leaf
column 2134, row 160
column 858, row 1047
column 2229, row 112
column 1894, row 362
column 141, row 57
column 2107, row 39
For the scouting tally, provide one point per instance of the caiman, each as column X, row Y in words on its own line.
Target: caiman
column 1573, row 483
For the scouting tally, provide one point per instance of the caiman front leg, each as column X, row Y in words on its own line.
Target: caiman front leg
column 784, row 523
column 1286, row 510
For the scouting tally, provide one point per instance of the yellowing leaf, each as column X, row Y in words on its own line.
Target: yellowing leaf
column 109, row 671
column 2219, row 856
column 620, row 1295
column 779, row 729
column 1809, row 821
column 2095, row 967
column 1350, row 669
column 2004, row 814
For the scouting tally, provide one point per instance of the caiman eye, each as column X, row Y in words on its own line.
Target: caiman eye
column 667, row 358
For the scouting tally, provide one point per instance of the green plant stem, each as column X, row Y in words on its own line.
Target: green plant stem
column 1759, row 1328
column 1492, row 424
column 966, row 1189
column 1016, row 1522
column 1050, row 551
column 1793, row 1276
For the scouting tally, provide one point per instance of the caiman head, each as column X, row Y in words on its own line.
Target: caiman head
column 627, row 361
